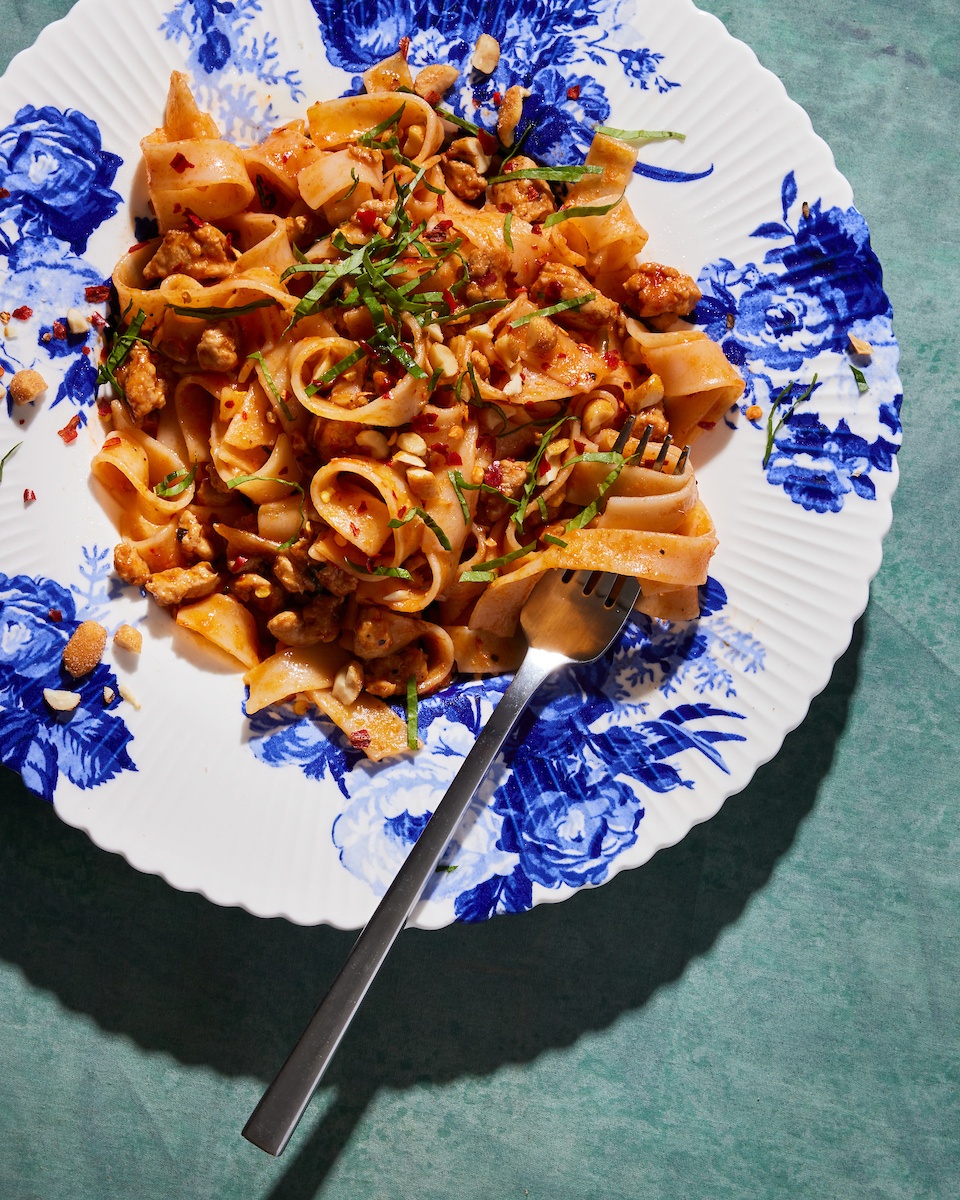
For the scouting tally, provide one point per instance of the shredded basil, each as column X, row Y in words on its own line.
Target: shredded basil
column 565, row 174
column 215, row 313
column 176, row 482
column 239, row 479
column 862, row 385
column 555, row 541
column 640, row 135
column 519, row 143
column 430, row 523
column 394, row 572
column 337, row 369
column 487, row 572
column 122, row 346
column 9, row 453
column 413, row 737
column 773, row 430
column 574, row 302
column 581, row 210
column 507, row 236
column 258, row 357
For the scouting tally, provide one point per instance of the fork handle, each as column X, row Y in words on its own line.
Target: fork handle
column 283, row 1103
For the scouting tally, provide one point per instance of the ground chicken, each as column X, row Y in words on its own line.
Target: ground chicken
column 202, row 253
column 336, row 580
column 656, row 289
column 176, row 585
column 293, row 570
column 334, row 439
column 508, row 476
column 529, row 199
column 145, row 381
column 558, row 282
column 258, row 592
column 317, row 621
column 194, row 537
column 217, row 349
column 488, row 275
column 130, row 564
column 388, row 676
column 463, row 179
column 378, row 632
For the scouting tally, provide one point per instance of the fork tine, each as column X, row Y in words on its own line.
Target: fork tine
column 662, row 456
column 682, row 461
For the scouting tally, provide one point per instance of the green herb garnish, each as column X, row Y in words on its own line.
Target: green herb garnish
column 581, row 210
column 862, row 385
column 216, row 313
column 488, row 571
column 773, row 430
column 640, row 135
column 239, row 479
column 122, row 345
column 562, row 306
column 394, row 572
column 413, row 737
column 555, row 541
column 566, row 174
column 337, row 369
column 176, row 482
column 258, row 357
column 11, row 451
column 430, row 523
column 507, row 236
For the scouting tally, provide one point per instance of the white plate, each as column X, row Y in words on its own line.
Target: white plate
column 616, row 761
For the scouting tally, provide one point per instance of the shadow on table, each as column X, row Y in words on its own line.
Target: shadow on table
column 219, row 987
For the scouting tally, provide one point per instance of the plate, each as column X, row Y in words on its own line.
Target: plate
column 614, row 761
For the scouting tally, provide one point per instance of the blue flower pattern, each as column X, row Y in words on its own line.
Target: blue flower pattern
column 87, row 745
column 783, row 320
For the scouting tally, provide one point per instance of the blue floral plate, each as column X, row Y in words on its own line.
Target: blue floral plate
column 277, row 813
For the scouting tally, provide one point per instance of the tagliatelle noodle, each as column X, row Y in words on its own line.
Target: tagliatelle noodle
column 371, row 397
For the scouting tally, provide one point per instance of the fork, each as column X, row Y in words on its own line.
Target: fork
column 573, row 617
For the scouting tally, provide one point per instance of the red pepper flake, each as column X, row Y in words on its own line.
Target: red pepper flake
column 454, row 458
column 111, row 442
column 612, row 360
column 237, row 564
column 424, row 422
column 579, row 446
column 180, row 163
column 433, row 98
column 449, row 300
column 4, row 193
column 573, row 93
column 561, row 355
column 23, row 313
column 706, row 424
column 140, row 245
column 354, row 529
column 360, row 739
column 440, row 207
column 97, row 293
column 97, row 321
column 402, row 510
column 55, row 614
column 493, row 475
column 505, row 208
column 497, row 99
column 29, row 495
column 59, row 331
column 69, row 431
column 488, row 143
column 537, row 229
column 85, row 350
column 362, row 506
column 404, row 47
column 177, row 208
column 193, row 220
column 532, row 193
column 368, row 219
column 103, row 408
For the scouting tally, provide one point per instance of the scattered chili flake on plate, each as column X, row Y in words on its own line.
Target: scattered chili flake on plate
column 69, row 432
column 23, row 313
column 97, row 293
column 29, row 495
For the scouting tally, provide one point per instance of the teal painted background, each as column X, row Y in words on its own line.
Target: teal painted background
column 769, row 1009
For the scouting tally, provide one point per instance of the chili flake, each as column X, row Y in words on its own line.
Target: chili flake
column 23, row 313
column 97, row 293
column 179, row 162
column 29, row 495
column 69, row 432
column 55, row 614
column 59, row 331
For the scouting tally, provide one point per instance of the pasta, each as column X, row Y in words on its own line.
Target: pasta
column 366, row 385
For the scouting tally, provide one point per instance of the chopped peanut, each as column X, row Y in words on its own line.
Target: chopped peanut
column 439, row 78
column 26, row 386
column 486, row 54
column 128, row 638
column 859, row 347
column 61, row 701
column 508, row 118
column 85, row 648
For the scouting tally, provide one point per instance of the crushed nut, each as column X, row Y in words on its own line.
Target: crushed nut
column 349, row 683
column 85, row 648
column 76, row 321
column 128, row 638
column 508, row 118
column 373, row 441
column 439, row 78
column 413, row 443
column 61, row 701
column 859, row 347
column 126, row 694
column 486, row 54
column 109, row 695
column 26, row 386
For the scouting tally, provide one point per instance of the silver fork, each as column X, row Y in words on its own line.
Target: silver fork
column 573, row 617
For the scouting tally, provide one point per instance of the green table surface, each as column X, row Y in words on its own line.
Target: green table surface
column 769, row 1009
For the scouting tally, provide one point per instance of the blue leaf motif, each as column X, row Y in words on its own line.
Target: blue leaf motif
column 788, row 193
column 772, row 229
